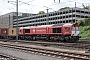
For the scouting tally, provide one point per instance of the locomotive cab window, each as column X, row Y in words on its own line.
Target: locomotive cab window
column 56, row 30
column 67, row 28
column 77, row 28
column 73, row 28
column 27, row 30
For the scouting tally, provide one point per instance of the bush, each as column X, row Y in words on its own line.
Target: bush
column 85, row 31
column 85, row 22
column 81, row 23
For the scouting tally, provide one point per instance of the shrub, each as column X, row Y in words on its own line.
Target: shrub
column 85, row 31
column 85, row 22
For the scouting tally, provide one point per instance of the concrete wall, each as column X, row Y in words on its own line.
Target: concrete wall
column 5, row 22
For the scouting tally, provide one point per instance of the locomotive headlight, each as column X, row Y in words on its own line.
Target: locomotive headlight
column 72, row 34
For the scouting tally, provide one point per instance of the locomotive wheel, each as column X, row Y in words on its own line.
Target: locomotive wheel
column 48, row 38
column 34, row 38
column 73, row 39
column 62, row 39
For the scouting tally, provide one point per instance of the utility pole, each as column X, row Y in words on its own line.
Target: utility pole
column 54, row 1
column 9, row 21
column 72, row 16
column 59, row 1
column 17, row 20
column 75, row 4
column 47, row 21
column 75, row 12
column 16, row 17
column 88, row 10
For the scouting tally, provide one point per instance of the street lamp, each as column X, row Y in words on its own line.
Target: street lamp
column 9, row 21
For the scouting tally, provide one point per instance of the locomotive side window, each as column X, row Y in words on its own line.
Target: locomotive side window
column 56, row 30
column 27, row 30
column 67, row 28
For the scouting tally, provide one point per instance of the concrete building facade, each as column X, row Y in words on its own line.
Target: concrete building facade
column 70, row 15
column 6, row 20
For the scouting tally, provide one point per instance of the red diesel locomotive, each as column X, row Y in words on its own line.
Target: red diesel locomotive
column 64, row 32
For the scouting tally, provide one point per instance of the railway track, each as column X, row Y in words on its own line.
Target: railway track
column 47, row 51
column 71, row 46
column 8, row 57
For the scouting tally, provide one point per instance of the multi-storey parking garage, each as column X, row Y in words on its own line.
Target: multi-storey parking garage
column 70, row 15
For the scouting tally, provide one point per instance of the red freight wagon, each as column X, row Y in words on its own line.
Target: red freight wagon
column 4, row 32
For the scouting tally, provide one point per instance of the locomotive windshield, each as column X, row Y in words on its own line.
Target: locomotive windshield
column 67, row 28
column 77, row 28
column 73, row 28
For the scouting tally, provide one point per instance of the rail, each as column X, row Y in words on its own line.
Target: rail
column 47, row 51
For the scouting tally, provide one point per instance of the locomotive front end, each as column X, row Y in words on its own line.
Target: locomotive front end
column 75, row 32
column 71, row 32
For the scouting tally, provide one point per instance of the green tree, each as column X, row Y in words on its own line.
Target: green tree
column 84, row 22
column 64, row 8
column 41, row 12
column 87, row 21
column 80, row 22
column 85, row 7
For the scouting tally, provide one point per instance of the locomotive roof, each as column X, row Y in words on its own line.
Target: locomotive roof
column 59, row 24
column 67, row 24
column 62, row 24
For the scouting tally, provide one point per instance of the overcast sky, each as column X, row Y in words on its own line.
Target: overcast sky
column 38, row 5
